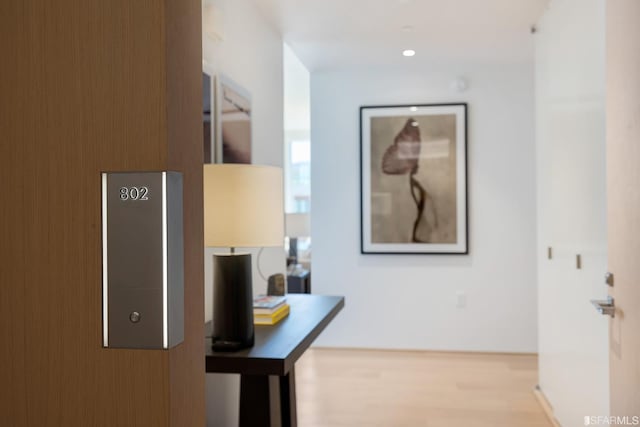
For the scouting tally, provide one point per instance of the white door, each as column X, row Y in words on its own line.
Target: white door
column 570, row 92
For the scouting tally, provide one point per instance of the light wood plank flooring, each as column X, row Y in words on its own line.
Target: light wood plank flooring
column 416, row 389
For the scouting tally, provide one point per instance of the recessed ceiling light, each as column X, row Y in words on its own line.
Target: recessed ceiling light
column 413, row 109
column 408, row 52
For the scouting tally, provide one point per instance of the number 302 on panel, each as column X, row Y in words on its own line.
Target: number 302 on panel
column 134, row 193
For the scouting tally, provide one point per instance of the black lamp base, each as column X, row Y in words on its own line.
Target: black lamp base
column 232, row 302
column 293, row 250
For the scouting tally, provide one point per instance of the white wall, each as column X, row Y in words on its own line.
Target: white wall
column 250, row 53
column 409, row 302
column 570, row 128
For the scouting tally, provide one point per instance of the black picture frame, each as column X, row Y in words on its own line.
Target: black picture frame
column 424, row 146
column 208, row 127
column 234, row 127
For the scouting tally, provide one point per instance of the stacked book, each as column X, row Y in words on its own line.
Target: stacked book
column 269, row 310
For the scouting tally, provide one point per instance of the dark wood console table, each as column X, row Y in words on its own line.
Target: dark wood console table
column 267, row 384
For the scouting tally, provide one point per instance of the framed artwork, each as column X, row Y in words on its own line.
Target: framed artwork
column 233, row 139
column 413, row 177
column 207, row 116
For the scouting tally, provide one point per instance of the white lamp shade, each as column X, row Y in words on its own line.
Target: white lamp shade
column 298, row 225
column 243, row 205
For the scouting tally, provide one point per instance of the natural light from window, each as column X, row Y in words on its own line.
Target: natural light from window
column 297, row 142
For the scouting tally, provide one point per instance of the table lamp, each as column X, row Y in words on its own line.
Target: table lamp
column 243, row 207
column 297, row 225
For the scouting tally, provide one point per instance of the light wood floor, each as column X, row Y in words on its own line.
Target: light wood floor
column 416, row 389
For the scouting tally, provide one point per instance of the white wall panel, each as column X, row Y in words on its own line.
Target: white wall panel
column 570, row 126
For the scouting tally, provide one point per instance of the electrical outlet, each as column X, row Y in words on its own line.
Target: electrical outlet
column 461, row 299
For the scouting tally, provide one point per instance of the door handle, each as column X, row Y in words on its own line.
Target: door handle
column 605, row 307
column 608, row 279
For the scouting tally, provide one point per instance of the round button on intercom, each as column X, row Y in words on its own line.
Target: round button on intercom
column 134, row 317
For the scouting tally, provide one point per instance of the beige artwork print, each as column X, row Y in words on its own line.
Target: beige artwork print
column 413, row 179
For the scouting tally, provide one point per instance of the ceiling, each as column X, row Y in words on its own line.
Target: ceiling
column 347, row 33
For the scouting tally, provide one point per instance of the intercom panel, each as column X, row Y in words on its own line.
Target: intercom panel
column 142, row 260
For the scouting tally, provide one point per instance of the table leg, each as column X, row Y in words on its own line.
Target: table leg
column 288, row 399
column 259, row 401
column 268, row 401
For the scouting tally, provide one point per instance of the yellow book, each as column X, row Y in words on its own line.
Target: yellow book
column 271, row 319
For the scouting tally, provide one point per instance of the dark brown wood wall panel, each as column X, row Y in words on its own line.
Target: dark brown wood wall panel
column 84, row 88
column 12, row 244
column 184, row 107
